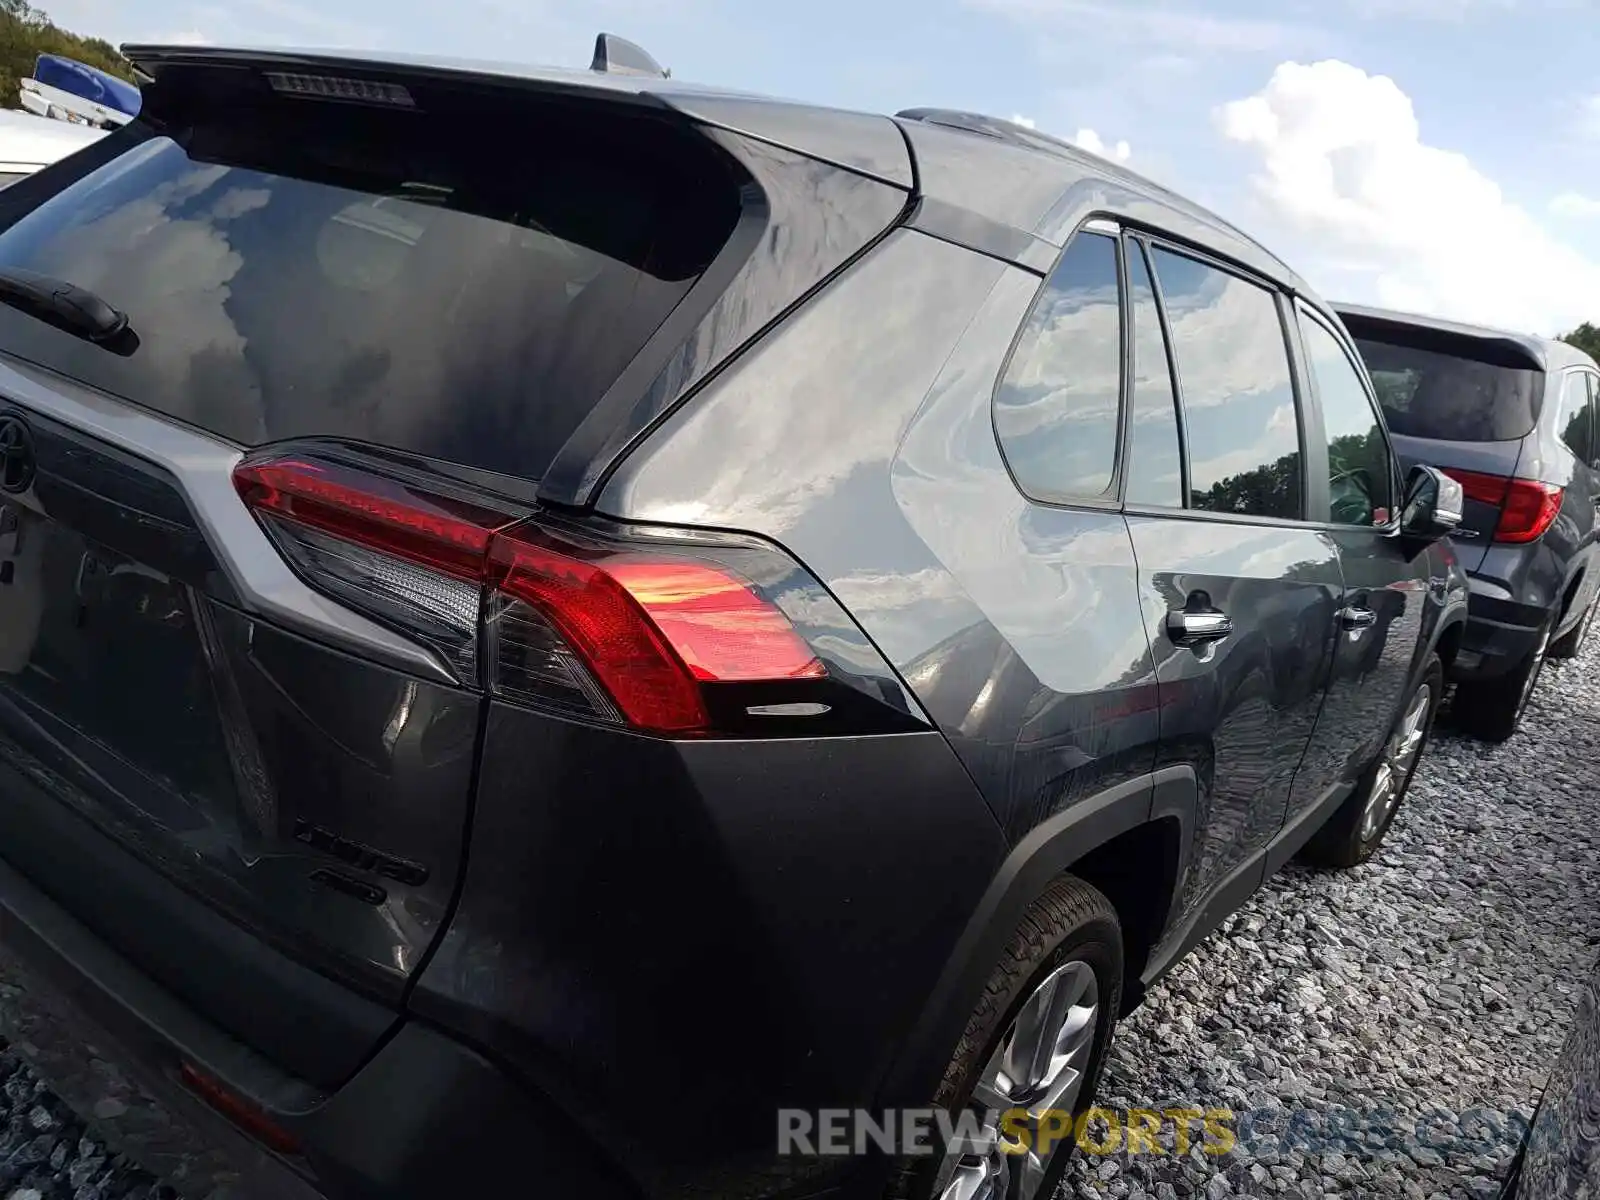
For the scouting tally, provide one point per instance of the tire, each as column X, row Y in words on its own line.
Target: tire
column 1572, row 641
column 1491, row 709
column 1070, row 930
column 1357, row 828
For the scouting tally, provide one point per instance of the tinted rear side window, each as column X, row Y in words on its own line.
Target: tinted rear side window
column 390, row 277
column 1450, row 396
column 1057, row 410
column 1238, row 394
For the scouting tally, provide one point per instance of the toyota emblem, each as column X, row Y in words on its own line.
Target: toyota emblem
column 16, row 455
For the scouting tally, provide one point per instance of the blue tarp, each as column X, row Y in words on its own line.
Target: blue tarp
column 89, row 82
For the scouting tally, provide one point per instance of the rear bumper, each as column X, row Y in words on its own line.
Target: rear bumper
column 426, row 1116
column 1501, row 631
column 637, row 912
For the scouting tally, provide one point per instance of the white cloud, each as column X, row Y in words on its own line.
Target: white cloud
column 1344, row 165
column 1025, row 122
column 1088, row 139
column 1575, row 204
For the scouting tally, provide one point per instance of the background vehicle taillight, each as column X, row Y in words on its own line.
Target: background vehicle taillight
column 1527, row 507
column 661, row 636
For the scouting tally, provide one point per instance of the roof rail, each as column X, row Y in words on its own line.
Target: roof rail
column 1001, row 130
column 615, row 55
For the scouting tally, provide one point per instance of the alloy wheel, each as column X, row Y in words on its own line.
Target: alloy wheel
column 1038, row 1068
column 1394, row 768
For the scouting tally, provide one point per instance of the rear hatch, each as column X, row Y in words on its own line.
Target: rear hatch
column 376, row 275
column 1461, row 403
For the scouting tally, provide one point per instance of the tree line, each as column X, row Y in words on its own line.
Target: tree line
column 26, row 33
column 1585, row 337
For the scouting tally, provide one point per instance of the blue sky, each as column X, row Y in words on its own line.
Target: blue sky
column 1435, row 154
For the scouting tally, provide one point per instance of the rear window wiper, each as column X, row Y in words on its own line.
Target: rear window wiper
column 68, row 307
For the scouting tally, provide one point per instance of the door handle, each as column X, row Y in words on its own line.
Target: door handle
column 1187, row 628
column 1352, row 617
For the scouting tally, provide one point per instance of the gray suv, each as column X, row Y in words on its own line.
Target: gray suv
column 1512, row 418
column 732, row 610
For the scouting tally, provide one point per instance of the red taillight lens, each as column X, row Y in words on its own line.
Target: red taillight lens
column 1527, row 507
column 1486, row 489
column 650, row 628
column 610, row 631
column 724, row 632
column 379, row 513
column 597, row 617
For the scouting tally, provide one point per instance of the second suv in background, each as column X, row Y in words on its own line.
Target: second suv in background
column 1513, row 419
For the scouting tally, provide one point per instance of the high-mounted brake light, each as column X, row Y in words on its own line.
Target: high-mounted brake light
column 332, row 87
column 538, row 616
column 1527, row 507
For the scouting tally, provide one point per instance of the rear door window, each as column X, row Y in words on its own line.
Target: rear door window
column 1057, row 410
column 1575, row 421
column 1236, row 388
column 1360, row 470
column 397, row 278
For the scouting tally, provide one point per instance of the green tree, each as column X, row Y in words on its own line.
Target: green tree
column 26, row 33
column 1270, row 488
column 1586, row 338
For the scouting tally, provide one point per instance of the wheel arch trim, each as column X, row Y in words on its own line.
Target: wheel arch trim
column 1045, row 853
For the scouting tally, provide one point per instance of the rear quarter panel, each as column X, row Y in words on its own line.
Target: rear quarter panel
column 860, row 437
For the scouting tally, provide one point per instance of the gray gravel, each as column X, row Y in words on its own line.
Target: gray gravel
column 1388, row 1029
column 47, row 1153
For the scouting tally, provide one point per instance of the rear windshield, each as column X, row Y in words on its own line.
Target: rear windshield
column 1457, row 397
column 465, row 290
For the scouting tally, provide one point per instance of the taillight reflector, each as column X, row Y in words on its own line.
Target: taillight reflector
column 241, row 1112
column 1527, row 507
column 649, row 628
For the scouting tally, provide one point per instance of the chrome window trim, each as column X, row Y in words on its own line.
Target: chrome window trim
column 203, row 467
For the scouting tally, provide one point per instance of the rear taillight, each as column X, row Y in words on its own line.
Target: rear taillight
column 661, row 636
column 1527, row 507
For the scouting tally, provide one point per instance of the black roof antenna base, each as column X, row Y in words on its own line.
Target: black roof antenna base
column 615, row 55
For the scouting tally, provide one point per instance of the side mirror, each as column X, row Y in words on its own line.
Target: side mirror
column 1433, row 506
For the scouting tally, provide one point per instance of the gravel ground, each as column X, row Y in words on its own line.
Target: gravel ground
column 1378, row 1032
column 46, row 1153
column 1386, row 1031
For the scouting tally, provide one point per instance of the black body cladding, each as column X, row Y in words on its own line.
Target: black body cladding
column 313, row 821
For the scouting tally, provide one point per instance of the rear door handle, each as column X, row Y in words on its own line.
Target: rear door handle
column 1352, row 617
column 1187, row 628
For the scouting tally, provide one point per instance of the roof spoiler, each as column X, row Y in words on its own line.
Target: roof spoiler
column 615, row 55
